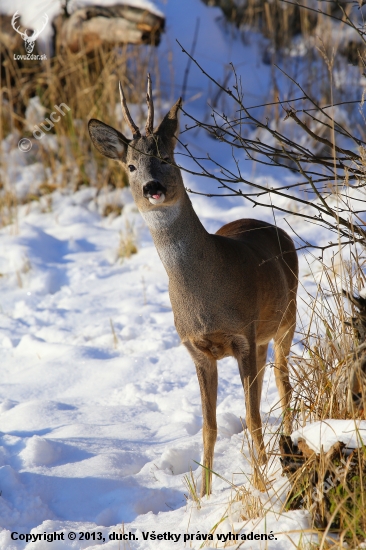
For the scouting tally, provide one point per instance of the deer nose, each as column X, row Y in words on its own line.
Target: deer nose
column 153, row 189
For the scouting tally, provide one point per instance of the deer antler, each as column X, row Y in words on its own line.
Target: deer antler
column 150, row 108
column 14, row 22
column 126, row 114
column 36, row 33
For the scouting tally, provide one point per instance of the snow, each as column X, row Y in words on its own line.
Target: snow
column 100, row 428
column 100, row 410
column 323, row 435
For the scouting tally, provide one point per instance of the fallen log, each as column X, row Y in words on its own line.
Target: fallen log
column 89, row 28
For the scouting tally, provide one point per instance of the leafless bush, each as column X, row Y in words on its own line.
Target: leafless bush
column 328, row 158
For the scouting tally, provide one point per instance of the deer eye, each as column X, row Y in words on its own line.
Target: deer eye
column 131, row 167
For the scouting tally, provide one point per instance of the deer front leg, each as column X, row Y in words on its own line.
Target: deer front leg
column 206, row 369
column 245, row 351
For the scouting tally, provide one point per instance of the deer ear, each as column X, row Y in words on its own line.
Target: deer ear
column 168, row 128
column 108, row 141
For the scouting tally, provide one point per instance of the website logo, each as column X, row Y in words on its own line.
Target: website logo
column 29, row 40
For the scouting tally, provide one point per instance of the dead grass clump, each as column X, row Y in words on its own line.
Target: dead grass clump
column 114, row 209
column 85, row 86
column 331, row 485
column 251, row 505
column 275, row 19
column 127, row 243
column 192, row 491
column 324, row 376
column 8, row 207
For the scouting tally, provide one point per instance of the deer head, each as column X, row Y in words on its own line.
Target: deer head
column 29, row 40
column 154, row 178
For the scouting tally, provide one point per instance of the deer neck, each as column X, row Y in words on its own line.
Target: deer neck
column 178, row 235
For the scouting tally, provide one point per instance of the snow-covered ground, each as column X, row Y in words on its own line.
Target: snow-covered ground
column 100, row 405
column 100, row 412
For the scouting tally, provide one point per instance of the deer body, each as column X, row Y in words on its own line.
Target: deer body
column 231, row 292
column 204, row 270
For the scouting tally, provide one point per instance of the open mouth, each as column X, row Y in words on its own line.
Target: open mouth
column 154, row 192
column 157, row 198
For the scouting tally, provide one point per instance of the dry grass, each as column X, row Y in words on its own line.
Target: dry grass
column 8, row 208
column 332, row 485
column 127, row 243
column 321, row 374
column 275, row 19
column 88, row 85
column 192, row 492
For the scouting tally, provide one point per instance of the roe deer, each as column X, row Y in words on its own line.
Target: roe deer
column 231, row 292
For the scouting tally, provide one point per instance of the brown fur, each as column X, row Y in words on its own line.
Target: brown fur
column 231, row 292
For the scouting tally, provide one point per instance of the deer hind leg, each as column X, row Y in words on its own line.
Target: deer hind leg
column 206, row 369
column 282, row 345
column 245, row 351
